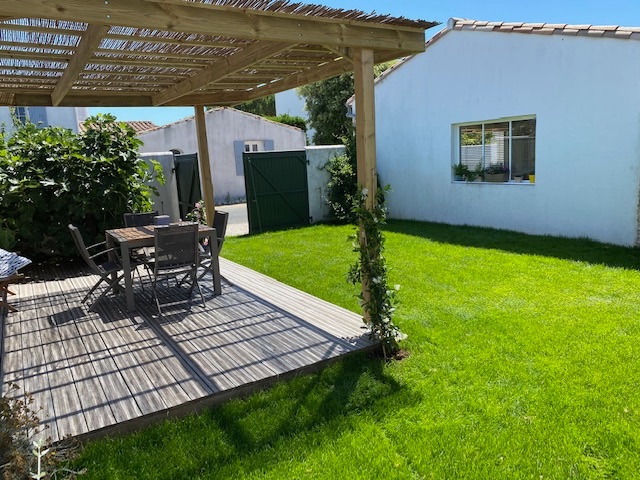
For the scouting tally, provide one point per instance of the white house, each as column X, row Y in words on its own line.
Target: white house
column 230, row 132
column 560, row 101
column 67, row 117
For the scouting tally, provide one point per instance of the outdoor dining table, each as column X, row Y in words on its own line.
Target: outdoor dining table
column 129, row 238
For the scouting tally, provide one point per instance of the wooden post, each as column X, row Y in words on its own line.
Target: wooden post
column 203, row 162
column 365, row 121
column 363, row 63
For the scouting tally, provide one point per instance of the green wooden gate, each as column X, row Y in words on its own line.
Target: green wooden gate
column 187, row 181
column 277, row 191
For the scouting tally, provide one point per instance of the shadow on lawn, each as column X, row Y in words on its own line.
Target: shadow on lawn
column 311, row 412
column 582, row 250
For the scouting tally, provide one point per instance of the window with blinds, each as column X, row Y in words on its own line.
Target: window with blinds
column 508, row 143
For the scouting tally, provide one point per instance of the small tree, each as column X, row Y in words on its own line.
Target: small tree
column 325, row 103
column 50, row 177
column 265, row 106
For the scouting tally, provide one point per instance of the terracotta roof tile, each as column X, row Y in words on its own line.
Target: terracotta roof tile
column 137, row 126
column 609, row 31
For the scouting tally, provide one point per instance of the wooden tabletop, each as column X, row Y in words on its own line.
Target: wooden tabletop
column 144, row 235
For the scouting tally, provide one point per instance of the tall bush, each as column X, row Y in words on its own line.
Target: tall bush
column 50, row 177
column 292, row 120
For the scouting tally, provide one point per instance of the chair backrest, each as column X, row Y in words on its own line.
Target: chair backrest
column 139, row 219
column 220, row 220
column 176, row 245
column 82, row 248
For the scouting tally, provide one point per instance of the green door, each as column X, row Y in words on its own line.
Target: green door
column 277, row 192
column 188, row 182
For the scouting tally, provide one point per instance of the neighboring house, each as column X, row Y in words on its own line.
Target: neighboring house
column 138, row 126
column 67, row 117
column 230, row 133
column 560, row 101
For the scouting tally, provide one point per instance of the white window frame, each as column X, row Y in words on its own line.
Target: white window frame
column 456, row 135
column 22, row 114
column 253, row 146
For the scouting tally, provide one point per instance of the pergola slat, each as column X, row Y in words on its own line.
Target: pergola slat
column 203, row 48
column 239, row 61
column 202, row 18
column 88, row 43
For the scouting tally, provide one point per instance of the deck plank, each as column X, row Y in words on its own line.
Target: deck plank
column 111, row 370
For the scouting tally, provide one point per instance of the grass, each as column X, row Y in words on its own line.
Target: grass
column 524, row 363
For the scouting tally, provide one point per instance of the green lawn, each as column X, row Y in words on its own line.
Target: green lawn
column 524, row 363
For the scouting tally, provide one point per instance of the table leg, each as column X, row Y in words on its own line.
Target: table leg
column 128, row 281
column 215, row 266
column 111, row 243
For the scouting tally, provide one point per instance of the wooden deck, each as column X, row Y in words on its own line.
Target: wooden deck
column 103, row 372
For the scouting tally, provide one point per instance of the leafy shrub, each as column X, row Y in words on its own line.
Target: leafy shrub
column 342, row 187
column 287, row 119
column 21, row 457
column 370, row 270
column 50, row 177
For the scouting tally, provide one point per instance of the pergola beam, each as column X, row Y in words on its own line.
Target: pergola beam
column 91, row 39
column 222, row 20
column 228, row 66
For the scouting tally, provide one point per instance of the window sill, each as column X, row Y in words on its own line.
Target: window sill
column 524, row 182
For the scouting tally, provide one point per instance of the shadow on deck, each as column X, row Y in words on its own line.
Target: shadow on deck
column 111, row 371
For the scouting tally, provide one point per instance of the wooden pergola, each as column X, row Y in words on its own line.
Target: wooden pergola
column 132, row 53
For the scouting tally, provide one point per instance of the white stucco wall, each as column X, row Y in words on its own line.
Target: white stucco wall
column 166, row 202
column 224, row 126
column 318, row 178
column 67, row 117
column 5, row 119
column 585, row 95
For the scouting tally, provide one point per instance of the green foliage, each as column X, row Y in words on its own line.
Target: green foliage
column 22, row 457
column 370, row 270
column 17, row 426
column 265, row 106
column 325, row 103
column 292, row 120
column 460, row 169
column 50, row 177
column 198, row 214
column 342, row 188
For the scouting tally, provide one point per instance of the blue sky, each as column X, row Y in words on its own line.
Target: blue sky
column 611, row 12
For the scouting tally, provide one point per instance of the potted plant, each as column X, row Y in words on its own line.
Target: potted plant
column 460, row 171
column 532, row 177
column 479, row 173
column 496, row 172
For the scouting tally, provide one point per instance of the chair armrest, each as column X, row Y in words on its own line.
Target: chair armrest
column 95, row 245
column 108, row 250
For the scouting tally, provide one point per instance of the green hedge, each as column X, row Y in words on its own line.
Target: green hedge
column 50, row 177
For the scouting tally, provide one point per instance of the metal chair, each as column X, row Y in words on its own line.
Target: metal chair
column 139, row 219
column 176, row 254
column 220, row 221
column 141, row 256
column 104, row 270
